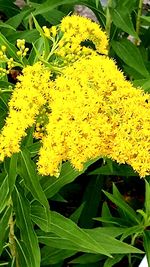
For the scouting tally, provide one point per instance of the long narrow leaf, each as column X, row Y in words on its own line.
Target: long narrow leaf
column 4, row 226
column 131, row 55
column 123, row 21
column 67, row 229
column 123, row 206
column 147, row 198
column 11, row 169
column 147, row 245
column 31, row 179
column 23, row 218
column 68, row 174
column 4, row 192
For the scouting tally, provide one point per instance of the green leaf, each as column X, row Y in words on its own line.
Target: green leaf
column 16, row 20
column 144, row 83
column 45, row 40
column 3, row 109
column 51, row 185
column 7, row 26
column 123, row 21
column 93, row 241
column 11, row 49
column 126, row 5
column 147, row 198
column 146, row 19
column 4, row 191
column 63, row 242
column 54, row 16
column 68, row 240
column 11, row 169
column 29, row 35
column 23, row 253
column 132, row 73
column 131, row 55
column 147, row 245
column 4, row 226
column 116, row 169
column 112, row 262
column 51, row 4
column 67, row 229
column 77, row 213
column 123, row 206
column 112, row 220
column 137, row 229
column 55, row 241
column 110, row 231
column 106, row 214
column 53, row 255
column 8, row 7
column 88, row 258
column 92, row 198
column 109, row 243
column 23, row 219
column 28, row 172
column 33, row 56
column 39, row 216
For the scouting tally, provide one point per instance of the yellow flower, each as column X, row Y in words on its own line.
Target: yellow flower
column 30, row 94
column 96, row 113
column 88, row 110
column 79, row 127
column 21, row 45
column 76, row 31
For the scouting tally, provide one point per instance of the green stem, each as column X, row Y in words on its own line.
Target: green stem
column 138, row 20
column 6, row 91
column 53, row 68
column 132, row 244
column 12, row 242
column 108, row 18
column 30, row 17
column 30, row 23
column 52, row 51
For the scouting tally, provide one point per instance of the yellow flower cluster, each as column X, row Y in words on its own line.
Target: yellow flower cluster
column 30, row 94
column 22, row 49
column 6, row 61
column 88, row 110
column 50, row 33
column 95, row 114
column 75, row 31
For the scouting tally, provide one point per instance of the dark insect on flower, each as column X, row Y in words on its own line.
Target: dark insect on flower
column 13, row 74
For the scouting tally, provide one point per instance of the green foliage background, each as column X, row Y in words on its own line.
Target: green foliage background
column 71, row 220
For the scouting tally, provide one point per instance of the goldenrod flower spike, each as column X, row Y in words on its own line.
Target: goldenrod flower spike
column 96, row 113
column 30, row 94
column 76, row 30
column 84, row 29
column 88, row 110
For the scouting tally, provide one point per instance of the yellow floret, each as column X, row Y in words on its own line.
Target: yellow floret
column 29, row 95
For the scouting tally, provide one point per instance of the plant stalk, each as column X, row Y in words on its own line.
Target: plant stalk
column 6, row 91
column 30, row 23
column 138, row 20
column 12, row 242
column 108, row 18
